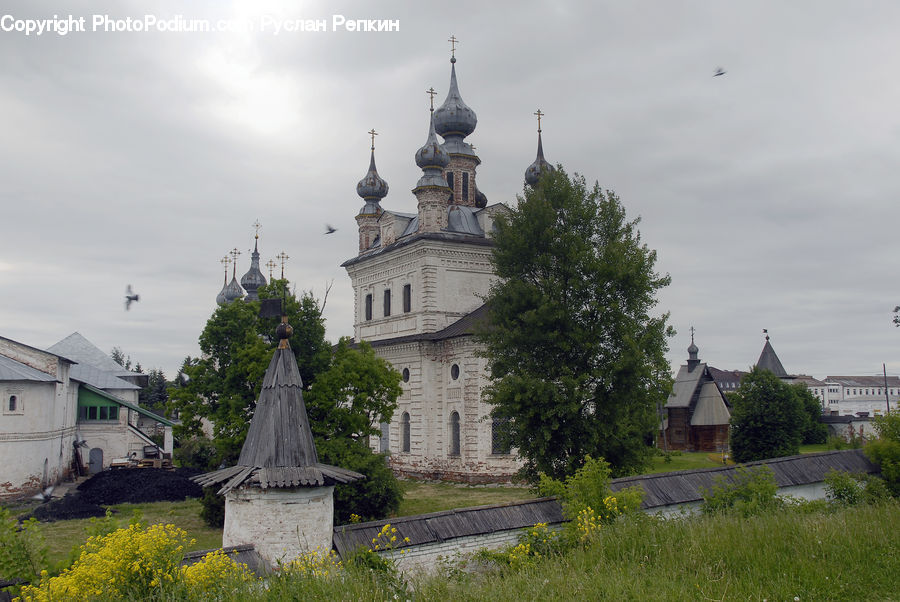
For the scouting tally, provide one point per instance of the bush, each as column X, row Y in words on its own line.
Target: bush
column 23, row 551
column 212, row 507
column 751, row 491
column 196, row 452
column 854, row 488
column 375, row 497
column 767, row 420
column 885, row 451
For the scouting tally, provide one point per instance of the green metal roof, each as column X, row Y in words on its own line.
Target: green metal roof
column 130, row 406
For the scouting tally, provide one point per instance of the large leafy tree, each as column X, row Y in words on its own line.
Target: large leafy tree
column 577, row 361
column 767, row 419
column 347, row 391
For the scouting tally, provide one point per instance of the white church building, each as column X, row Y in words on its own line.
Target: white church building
column 419, row 281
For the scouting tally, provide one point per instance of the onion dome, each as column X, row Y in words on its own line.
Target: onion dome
column 539, row 167
column 432, row 158
column 372, row 188
column 254, row 278
column 233, row 291
column 454, row 120
column 220, row 298
column 693, row 359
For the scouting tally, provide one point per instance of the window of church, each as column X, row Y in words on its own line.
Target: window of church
column 465, row 186
column 454, row 371
column 384, row 443
column 404, row 431
column 407, row 298
column 387, row 302
column 499, row 427
column 406, row 375
column 454, row 434
column 12, row 403
column 450, row 179
column 369, row 306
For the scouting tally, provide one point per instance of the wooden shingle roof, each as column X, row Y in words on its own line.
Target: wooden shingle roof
column 279, row 450
column 442, row 526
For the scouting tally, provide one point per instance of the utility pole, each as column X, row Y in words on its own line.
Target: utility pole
column 887, row 400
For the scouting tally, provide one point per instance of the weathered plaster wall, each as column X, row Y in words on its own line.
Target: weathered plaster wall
column 280, row 523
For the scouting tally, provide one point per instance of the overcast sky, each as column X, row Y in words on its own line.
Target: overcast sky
column 769, row 193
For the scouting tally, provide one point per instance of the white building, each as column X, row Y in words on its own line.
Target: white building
column 72, row 392
column 419, row 281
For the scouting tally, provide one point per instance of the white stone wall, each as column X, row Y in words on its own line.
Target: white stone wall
column 429, row 557
column 280, row 523
column 35, row 439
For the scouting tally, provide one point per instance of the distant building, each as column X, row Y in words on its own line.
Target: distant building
column 55, row 398
column 696, row 416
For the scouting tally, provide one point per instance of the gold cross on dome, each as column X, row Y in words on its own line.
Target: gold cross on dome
column 373, row 133
column 430, row 92
column 283, row 257
column 271, row 265
column 225, row 261
column 256, row 226
column 234, row 253
column 539, row 115
column 453, row 42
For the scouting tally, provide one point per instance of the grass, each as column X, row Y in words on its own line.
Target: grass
column 422, row 497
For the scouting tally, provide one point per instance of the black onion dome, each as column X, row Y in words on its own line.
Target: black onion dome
column 372, row 186
column 454, row 116
column 540, row 166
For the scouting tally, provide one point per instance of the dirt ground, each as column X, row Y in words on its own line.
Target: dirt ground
column 111, row 487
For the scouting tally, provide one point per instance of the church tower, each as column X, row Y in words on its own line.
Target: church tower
column 540, row 166
column 371, row 189
column 432, row 192
column 253, row 279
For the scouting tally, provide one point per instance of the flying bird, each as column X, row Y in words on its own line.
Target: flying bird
column 45, row 495
column 719, row 71
column 329, row 229
column 129, row 297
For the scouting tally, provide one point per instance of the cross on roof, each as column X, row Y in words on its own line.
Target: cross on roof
column 256, row 226
column 453, row 42
column 373, row 133
column 271, row 265
column 692, row 335
column 283, row 257
column 539, row 115
column 225, row 261
column 430, row 92
column 234, row 253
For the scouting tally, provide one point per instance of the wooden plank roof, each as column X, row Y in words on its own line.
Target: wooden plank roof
column 442, row 526
column 686, row 486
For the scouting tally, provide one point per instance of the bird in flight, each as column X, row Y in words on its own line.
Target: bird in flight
column 329, row 229
column 129, row 297
column 719, row 71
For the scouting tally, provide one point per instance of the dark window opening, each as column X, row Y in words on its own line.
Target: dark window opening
column 104, row 413
column 92, row 413
column 454, row 434
column 499, row 431
column 450, row 179
column 406, row 375
column 454, row 371
column 465, row 186
column 404, row 431
column 12, row 403
column 368, row 307
column 82, row 413
column 407, row 298
column 387, row 302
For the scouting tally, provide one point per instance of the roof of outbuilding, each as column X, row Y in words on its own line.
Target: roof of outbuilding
column 442, row 526
column 130, row 406
column 78, row 348
column 12, row 370
column 686, row 486
column 279, row 450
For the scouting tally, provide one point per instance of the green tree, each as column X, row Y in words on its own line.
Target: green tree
column 155, row 395
column 814, row 430
column 767, row 419
column 885, row 450
column 577, row 362
column 347, row 392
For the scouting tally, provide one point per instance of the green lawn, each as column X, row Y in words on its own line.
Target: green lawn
column 422, row 497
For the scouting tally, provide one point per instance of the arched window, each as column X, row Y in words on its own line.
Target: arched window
column 369, row 306
column 454, row 433
column 12, row 403
column 404, row 431
column 454, row 371
column 385, row 441
column 499, row 427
